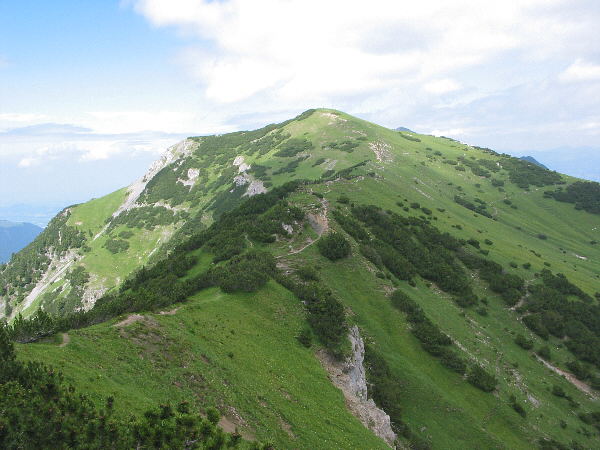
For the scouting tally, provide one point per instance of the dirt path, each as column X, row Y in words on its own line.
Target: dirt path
column 129, row 320
column 319, row 223
column 583, row 387
column 521, row 301
column 65, row 340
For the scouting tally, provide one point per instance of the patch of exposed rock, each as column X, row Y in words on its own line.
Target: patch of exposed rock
column 241, row 165
column 173, row 153
column 192, row 176
column 381, row 150
column 57, row 268
column 254, row 186
column 349, row 377
column 91, row 294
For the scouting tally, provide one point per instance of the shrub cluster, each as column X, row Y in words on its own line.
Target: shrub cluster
column 345, row 146
column 552, row 312
column 116, row 245
column 291, row 166
column 584, row 194
column 40, row 410
column 325, row 313
column 523, row 173
column 410, row 246
column 511, row 287
column 147, row 217
column 293, row 146
column 409, row 137
column 479, row 208
column 433, row 340
column 334, row 246
column 438, row 344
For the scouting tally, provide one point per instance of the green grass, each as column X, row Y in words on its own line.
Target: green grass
column 91, row 216
column 231, row 351
column 240, row 350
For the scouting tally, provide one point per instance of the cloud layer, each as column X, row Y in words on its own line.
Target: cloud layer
column 395, row 62
column 517, row 76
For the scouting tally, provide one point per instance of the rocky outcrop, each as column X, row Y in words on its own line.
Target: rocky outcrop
column 382, row 151
column 254, row 186
column 59, row 264
column 192, row 176
column 349, row 376
column 177, row 151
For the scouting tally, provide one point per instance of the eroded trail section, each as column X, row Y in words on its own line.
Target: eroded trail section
column 65, row 340
column 349, row 377
column 583, row 387
column 319, row 223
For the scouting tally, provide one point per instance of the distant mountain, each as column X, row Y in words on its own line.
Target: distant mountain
column 404, row 129
column 37, row 214
column 14, row 236
column 531, row 159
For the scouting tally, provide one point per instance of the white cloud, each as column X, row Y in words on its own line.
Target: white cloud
column 310, row 51
column 441, row 86
column 28, row 162
column 115, row 122
column 581, row 70
column 33, row 146
column 11, row 120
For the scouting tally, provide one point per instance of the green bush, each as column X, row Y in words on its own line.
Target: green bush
column 308, row 273
column 116, row 245
column 517, row 407
column 544, row 352
column 452, row 361
column 584, row 194
column 246, row 273
column 385, row 390
column 479, row 378
column 523, row 342
column 305, row 337
column 558, row 391
column 371, row 254
column 535, row 324
column 294, row 146
column 334, row 246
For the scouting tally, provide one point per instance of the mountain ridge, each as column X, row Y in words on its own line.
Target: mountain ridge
column 531, row 159
column 403, row 204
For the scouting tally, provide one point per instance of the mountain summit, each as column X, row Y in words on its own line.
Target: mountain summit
column 531, row 159
column 326, row 282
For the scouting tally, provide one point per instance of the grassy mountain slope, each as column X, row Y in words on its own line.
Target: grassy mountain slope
column 240, row 352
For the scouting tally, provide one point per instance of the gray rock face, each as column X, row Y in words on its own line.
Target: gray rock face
column 354, row 366
column 349, row 376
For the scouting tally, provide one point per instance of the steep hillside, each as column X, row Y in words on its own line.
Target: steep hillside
column 15, row 236
column 460, row 282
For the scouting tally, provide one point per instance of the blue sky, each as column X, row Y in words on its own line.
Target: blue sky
column 91, row 92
